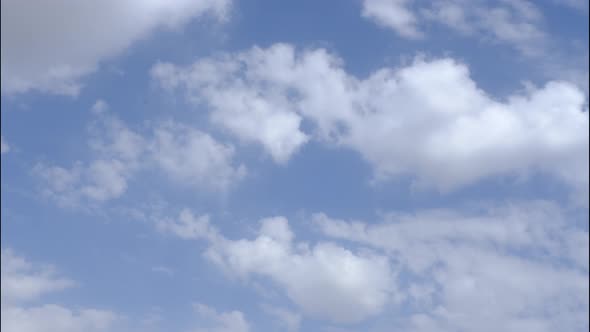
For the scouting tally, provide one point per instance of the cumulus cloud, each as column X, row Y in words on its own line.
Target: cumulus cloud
column 49, row 46
column 194, row 157
column 521, row 267
column 24, row 284
column 401, row 120
column 184, row 154
column 326, row 281
column 264, row 117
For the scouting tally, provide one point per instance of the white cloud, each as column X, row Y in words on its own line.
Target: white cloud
column 393, row 14
column 233, row 321
column 509, row 268
column 187, row 226
column 99, row 181
column 52, row 317
column 517, row 23
column 24, row 283
column 264, row 117
column 186, row 155
column 193, row 157
column 49, row 46
column 21, row 281
column 4, row 147
column 400, row 120
column 325, row 281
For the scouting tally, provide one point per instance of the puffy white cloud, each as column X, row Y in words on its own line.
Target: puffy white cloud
column 49, row 46
column 233, row 321
column 517, row 23
column 193, row 157
column 186, row 155
column 509, row 268
column 401, row 120
column 4, row 147
column 264, row 117
column 24, row 283
column 325, row 280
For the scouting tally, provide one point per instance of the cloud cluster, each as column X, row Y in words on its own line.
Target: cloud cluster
column 428, row 120
column 184, row 154
column 49, row 46
column 325, row 280
column 510, row 268
column 24, row 284
column 516, row 23
column 24, row 308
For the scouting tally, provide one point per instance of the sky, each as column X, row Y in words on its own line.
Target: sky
column 330, row 166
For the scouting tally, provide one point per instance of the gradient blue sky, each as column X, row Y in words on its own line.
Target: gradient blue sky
column 227, row 165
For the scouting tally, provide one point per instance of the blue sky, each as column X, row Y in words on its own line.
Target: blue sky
column 227, row 165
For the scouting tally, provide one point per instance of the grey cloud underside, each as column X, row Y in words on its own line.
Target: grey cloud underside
column 428, row 119
column 49, row 46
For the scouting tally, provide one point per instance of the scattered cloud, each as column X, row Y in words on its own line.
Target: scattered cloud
column 516, row 23
column 394, row 14
column 22, row 281
column 527, row 265
column 326, row 281
column 187, row 226
column 233, row 321
column 187, row 155
column 193, row 157
column 24, row 284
